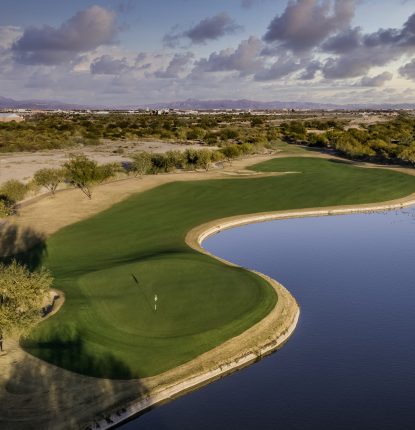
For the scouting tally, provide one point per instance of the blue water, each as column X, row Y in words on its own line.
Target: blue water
column 351, row 362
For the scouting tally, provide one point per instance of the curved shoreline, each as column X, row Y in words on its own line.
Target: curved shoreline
column 212, row 228
column 264, row 338
column 284, row 316
column 232, row 355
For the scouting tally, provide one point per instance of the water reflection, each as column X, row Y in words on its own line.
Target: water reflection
column 350, row 362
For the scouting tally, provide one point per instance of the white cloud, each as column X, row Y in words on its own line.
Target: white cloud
column 85, row 31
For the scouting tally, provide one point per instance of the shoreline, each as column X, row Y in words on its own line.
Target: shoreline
column 266, row 337
column 263, row 338
column 194, row 239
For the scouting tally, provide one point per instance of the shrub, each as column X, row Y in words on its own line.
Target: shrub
column 256, row 121
column 191, row 157
column 14, row 190
column 106, row 171
column 204, row 159
column 141, row 163
column 195, row 133
column 230, row 152
column 216, row 156
column 229, row 134
column 7, row 207
column 173, row 160
column 158, row 163
column 246, row 148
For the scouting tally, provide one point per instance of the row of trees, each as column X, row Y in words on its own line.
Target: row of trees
column 79, row 171
column 191, row 159
column 82, row 172
column 153, row 163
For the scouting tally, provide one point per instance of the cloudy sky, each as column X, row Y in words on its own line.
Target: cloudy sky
column 126, row 52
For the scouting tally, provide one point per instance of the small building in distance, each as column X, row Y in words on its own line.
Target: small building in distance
column 10, row 117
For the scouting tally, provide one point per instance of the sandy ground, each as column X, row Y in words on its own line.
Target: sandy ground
column 23, row 165
column 34, row 394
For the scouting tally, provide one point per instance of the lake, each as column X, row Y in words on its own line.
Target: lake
column 351, row 360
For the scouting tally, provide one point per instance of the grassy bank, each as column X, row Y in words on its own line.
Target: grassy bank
column 111, row 265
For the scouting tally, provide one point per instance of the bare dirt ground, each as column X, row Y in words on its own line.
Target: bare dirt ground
column 369, row 119
column 23, row 165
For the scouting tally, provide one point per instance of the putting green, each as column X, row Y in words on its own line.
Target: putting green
column 112, row 265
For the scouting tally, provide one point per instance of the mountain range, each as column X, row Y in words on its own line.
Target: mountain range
column 6, row 103
column 196, row 104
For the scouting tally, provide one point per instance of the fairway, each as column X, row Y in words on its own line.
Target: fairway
column 112, row 265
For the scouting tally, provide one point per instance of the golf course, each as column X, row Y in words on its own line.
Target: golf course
column 140, row 301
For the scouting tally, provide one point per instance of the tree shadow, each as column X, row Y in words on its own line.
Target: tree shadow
column 23, row 244
column 69, row 351
column 35, row 394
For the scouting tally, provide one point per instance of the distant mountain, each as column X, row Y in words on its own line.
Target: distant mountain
column 241, row 104
column 277, row 105
column 196, row 104
column 6, row 103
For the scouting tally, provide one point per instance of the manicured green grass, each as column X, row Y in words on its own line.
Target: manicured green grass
column 108, row 327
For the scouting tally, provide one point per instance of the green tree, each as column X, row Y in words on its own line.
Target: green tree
column 349, row 145
column 22, row 295
column 317, row 139
column 408, row 154
column 49, row 178
column 230, row 152
column 82, row 173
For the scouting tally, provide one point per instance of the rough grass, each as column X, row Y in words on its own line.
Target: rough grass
column 201, row 302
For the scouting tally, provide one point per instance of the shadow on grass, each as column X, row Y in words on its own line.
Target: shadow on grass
column 35, row 394
column 69, row 352
column 22, row 244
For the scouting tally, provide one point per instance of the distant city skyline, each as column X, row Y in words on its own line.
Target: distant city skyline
column 136, row 52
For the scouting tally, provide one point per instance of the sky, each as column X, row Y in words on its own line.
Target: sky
column 134, row 52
